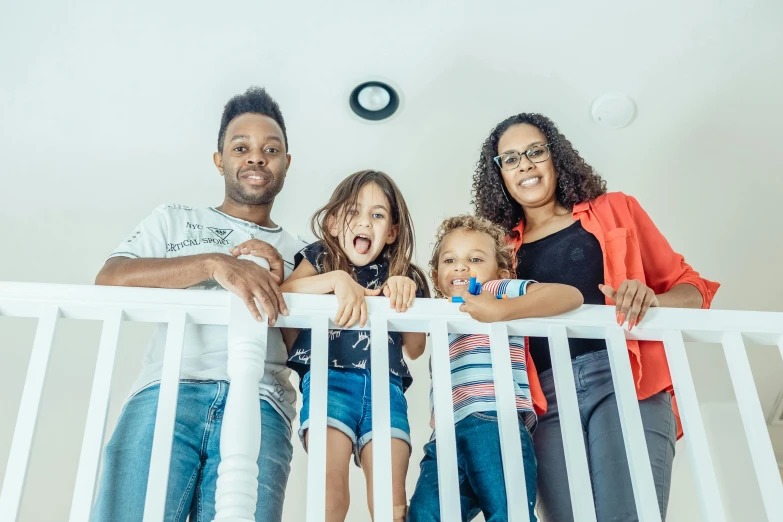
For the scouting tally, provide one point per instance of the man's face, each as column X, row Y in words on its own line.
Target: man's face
column 253, row 160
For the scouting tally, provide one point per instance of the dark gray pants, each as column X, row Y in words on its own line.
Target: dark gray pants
column 612, row 490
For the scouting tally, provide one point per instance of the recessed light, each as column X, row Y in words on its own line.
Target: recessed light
column 374, row 100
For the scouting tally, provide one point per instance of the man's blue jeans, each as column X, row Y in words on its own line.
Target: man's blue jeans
column 194, row 459
column 480, row 468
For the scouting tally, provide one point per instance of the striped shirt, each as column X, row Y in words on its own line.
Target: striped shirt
column 472, row 383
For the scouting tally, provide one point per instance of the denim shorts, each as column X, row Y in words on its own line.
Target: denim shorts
column 349, row 407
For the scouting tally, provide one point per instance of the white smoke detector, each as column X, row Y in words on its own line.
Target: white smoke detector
column 613, row 110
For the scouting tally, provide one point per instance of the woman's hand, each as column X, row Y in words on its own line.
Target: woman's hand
column 632, row 300
column 401, row 292
column 351, row 306
column 485, row 307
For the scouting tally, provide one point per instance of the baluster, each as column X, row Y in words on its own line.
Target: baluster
column 631, row 423
column 693, row 426
column 579, row 483
column 761, row 451
column 16, row 470
column 95, row 426
column 162, row 440
column 446, row 446
column 508, row 424
column 381, row 421
column 316, row 463
column 780, row 346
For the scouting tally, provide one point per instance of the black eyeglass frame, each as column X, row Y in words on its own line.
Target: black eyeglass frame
column 548, row 147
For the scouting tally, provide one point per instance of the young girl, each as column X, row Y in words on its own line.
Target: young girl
column 365, row 247
column 466, row 245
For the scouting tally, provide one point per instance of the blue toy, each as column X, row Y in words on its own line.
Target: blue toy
column 472, row 284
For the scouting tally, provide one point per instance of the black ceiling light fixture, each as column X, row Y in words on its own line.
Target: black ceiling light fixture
column 374, row 100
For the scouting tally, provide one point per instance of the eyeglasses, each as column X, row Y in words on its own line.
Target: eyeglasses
column 535, row 154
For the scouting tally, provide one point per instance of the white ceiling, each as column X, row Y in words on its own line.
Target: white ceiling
column 109, row 110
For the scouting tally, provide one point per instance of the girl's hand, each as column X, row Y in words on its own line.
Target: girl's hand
column 632, row 299
column 485, row 307
column 401, row 292
column 351, row 306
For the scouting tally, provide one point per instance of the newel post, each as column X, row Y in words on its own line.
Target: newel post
column 240, row 438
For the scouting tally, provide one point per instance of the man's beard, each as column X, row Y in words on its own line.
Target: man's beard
column 236, row 192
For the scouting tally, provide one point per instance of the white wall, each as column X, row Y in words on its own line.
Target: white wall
column 109, row 110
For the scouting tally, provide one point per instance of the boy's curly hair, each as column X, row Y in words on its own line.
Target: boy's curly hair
column 504, row 252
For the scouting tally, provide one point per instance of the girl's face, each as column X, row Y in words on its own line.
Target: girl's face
column 531, row 184
column 462, row 252
column 364, row 229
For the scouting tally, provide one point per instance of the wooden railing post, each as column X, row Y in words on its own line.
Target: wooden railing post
column 240, row 435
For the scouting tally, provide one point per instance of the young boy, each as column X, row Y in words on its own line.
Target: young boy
column 464, row 245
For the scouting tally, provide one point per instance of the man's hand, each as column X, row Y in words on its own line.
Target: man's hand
column 401, row 292
column 485, row 307
column 258, row 248
column 632, row 299
column 251, row 283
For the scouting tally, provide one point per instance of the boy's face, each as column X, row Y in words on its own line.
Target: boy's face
column 363, row 230
column 463, row 252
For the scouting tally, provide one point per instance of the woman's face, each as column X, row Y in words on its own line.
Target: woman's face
column 531, row 184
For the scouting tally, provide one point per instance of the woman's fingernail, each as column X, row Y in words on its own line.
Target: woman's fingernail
column 622, row 318
column 630, row 324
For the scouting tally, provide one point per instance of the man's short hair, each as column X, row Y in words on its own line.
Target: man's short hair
column 255, row 100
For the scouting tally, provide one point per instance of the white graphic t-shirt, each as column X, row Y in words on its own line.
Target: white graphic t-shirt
column 175, row 231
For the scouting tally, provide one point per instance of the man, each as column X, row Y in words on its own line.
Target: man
column 182, row 247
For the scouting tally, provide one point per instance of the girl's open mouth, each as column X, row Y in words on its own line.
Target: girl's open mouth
column 362, row 244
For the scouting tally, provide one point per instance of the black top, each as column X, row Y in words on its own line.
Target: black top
column 571, row 256
column 350, row 349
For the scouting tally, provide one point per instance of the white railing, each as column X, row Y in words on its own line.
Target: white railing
column 247, row 349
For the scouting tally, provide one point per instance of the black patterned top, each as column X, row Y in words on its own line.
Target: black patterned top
column 350, row 349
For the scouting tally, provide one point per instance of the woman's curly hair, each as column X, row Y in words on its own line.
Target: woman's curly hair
column 504, row 255
column 577, row 181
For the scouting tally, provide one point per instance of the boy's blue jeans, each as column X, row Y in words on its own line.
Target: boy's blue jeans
column 194, row 459
column 480, row 468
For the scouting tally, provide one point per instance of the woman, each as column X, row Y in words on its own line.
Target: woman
column 567, row 229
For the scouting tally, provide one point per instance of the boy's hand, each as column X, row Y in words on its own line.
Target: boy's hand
column 485, row 307
column 258, row 248
column 351, row 306
column 401, row 292
column 632, row 300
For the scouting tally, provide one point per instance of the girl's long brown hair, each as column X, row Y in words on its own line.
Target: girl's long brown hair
column 398, row 255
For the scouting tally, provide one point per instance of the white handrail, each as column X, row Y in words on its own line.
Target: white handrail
column 178, row 307
column 210, row 307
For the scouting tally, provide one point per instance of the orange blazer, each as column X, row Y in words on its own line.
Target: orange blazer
column 633, row 248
